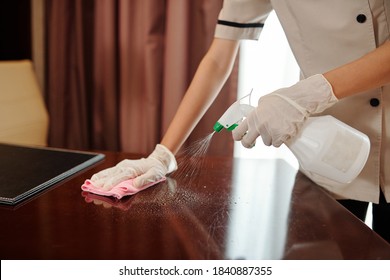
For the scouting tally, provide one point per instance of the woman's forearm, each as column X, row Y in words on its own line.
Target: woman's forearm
column 209, row 78
column 369, row 72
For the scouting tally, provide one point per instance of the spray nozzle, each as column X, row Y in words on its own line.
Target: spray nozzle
column 234, row 114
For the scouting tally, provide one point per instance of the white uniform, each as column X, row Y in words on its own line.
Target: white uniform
column 323, row 35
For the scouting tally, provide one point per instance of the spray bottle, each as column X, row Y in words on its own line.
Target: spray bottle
column 326, row 148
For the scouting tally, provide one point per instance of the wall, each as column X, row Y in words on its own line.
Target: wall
column 38, row 39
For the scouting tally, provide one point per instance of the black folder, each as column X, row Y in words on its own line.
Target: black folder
column 26, row 171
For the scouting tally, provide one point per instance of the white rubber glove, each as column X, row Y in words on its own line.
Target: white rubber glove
column 145, row 170
column 280, row 114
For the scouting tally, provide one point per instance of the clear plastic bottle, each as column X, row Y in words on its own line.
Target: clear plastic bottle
column 330, row 150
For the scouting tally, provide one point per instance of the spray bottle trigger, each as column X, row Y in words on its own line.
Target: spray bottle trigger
column 232, row 127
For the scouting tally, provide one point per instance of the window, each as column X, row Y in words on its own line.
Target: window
column 266, row 65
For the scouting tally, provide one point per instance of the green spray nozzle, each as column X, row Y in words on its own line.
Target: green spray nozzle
column 218, row 127
column 233, row 115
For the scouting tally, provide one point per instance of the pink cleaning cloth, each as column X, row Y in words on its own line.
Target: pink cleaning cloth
column 122, row 189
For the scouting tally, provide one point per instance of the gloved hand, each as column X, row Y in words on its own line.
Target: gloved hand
column 280, row 114
column 159, row 163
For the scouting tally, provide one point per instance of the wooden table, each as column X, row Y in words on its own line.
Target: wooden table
column 222, row 208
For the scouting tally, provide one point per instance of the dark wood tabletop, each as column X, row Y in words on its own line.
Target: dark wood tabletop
column 212, row 208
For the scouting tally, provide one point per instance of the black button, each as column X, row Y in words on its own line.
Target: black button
column 374, row 102
column 361, row 18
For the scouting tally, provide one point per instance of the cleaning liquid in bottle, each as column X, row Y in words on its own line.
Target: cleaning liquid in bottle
column 330, row 150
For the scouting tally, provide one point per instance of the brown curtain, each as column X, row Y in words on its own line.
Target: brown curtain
column 117, row 70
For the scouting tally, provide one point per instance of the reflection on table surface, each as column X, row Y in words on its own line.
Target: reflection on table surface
column 227, row 209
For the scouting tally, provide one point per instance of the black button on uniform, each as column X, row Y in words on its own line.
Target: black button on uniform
column 374, row 102
column 361, row 18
